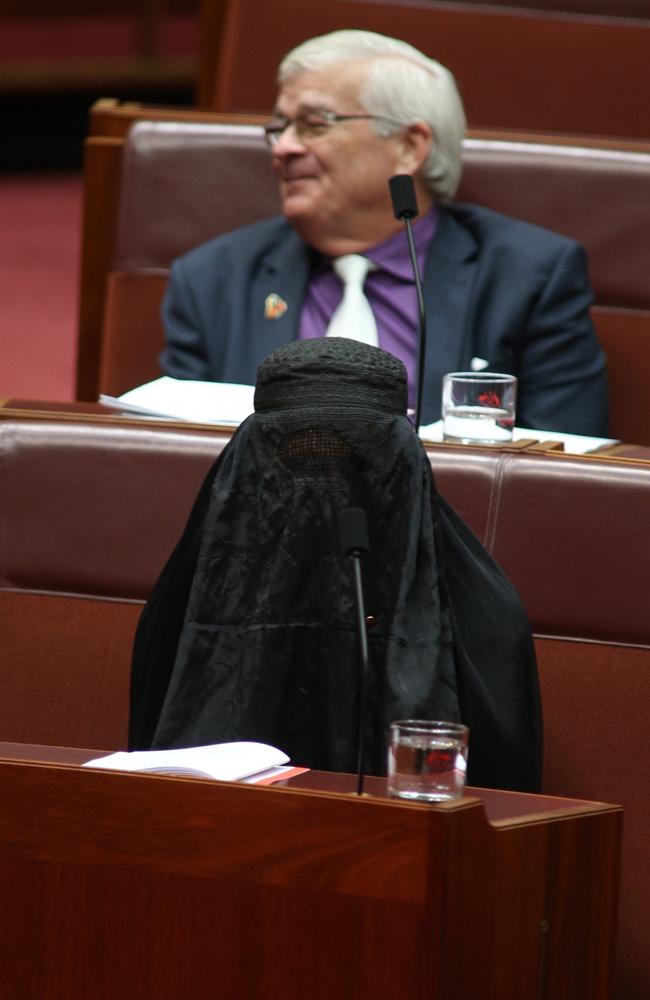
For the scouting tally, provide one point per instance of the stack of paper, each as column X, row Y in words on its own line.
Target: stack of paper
column 186, row 399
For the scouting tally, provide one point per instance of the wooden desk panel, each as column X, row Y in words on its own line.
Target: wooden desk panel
column 152, row 886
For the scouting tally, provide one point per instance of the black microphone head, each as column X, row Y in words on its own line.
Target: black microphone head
column 353, row 531
column 402, row 191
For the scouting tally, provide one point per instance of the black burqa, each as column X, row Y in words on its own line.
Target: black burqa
column 250, row 631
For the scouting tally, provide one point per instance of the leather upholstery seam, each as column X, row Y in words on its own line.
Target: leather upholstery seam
column 494, row 504
column 584, row 640
column 102, row 598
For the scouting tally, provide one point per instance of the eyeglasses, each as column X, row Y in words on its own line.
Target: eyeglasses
column 311, row 125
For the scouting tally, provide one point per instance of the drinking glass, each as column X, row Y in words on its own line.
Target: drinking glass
column 427, row 760
column 478, row 407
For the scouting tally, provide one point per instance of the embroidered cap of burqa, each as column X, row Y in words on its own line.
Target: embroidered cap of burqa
column 250, row 631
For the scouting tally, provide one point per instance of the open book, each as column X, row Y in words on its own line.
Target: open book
column 249, row 762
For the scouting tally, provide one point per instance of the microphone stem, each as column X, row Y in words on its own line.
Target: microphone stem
column 422, row 325
column 363, row 671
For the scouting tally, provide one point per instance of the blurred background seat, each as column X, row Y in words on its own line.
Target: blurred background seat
column 57, row 58
column 537, row 66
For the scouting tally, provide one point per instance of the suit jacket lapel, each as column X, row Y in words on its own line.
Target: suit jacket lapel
column 283, row 273
column 449, row 274
column 448, row 278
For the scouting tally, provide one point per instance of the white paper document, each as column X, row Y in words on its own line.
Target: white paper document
column 188, row 399
column 220, row 761
column 574, row 444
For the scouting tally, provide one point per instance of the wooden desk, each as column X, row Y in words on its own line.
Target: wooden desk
column 158, row 887
column 38, row 409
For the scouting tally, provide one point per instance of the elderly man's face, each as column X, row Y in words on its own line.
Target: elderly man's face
column 333, row 180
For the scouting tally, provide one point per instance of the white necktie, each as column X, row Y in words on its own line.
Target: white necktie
column 353, row 318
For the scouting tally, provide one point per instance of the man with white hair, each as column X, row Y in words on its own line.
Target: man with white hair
column 355, row 108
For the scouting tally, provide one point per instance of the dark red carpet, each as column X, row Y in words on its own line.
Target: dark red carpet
column 40, row 225
column 40, row 207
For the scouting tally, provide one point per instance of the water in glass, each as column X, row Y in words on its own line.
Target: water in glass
column 427, row 768
column 478, row 424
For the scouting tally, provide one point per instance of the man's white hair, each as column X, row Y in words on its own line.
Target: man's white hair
column 402, row 84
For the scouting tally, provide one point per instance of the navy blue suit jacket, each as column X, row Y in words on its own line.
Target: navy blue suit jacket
column 495, row 288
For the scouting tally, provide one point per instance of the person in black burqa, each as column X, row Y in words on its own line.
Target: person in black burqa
column 250, row 633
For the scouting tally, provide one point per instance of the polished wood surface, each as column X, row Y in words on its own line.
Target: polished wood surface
column 150, row 886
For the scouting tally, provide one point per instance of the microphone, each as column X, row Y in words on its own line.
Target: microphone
column 402, row 192
column 353, row 532
column 353, row 543
column 405, row 207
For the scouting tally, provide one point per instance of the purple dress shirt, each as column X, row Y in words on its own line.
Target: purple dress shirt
column 390, row 290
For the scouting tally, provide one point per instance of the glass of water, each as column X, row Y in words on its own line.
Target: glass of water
column 478, row 407
column 427, row 760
